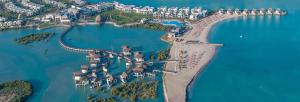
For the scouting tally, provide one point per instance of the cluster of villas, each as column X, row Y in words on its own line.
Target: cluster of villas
column 10, row 24
column 98, row 70
column 79, row 2
column 164, row 12
column 68, row 15
column 55, row 3
column 253, row 12
column 28, row 12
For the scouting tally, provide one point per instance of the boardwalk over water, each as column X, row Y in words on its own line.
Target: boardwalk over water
column 80, row 50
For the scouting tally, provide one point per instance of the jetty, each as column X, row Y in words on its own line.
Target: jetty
column 81, row 50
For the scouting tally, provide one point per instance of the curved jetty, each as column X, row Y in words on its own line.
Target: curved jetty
column 194, row 52
column 80, row 50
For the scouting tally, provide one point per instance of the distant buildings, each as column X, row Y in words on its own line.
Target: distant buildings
column 164, row 12
column 2, row 19
column 79, row 2
column 12, row 7
column 10, row 24
column 55, row 3
column 31, row 5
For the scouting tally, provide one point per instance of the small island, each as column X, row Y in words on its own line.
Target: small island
column 133, row 91
column 15, row 91
column 34, row 38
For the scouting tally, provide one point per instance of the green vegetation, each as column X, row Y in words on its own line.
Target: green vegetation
column 15, row 91
column 34, row 37
column 121, row 17
column 6, row 13
column 163, row 54
column 155, row 26
column 109, row 99
column 136, row 90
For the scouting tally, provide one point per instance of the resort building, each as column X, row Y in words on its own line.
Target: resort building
column 122, row 7
column 99, row 7
column 176, row 32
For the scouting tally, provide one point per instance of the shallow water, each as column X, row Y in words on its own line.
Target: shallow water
column 262, row 66
column 51, row 71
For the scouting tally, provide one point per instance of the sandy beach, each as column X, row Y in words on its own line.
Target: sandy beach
column 193, row 53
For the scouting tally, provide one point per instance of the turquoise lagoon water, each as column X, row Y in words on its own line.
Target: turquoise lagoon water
column 262, row 66
column 49, row 67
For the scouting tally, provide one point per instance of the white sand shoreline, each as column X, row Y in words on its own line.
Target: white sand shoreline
column 175, row 86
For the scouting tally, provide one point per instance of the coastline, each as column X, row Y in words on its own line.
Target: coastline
column 176, row 86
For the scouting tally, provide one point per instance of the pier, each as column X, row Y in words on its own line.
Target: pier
column 80, row 50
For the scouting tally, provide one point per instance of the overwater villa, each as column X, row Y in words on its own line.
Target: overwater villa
column 221, row 11
column 96, row 82
column 245, row 12
column 253, row 12
column 105, row 70
column 139, row 57
column 93, row 63
column 229, row 11
column 94, row 73
column 128, row 64
column 262, row 11
column 109, row 80
column 237, row 11
column 84, row 69
column 270, row 11
column 79, row 79
column 123, row 77
column 126, row 50
column 278, row 11
column 77, row 76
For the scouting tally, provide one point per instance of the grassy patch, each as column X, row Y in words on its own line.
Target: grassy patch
column 121, row 17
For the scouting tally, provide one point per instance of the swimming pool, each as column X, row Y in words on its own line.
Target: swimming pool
column 173, row 23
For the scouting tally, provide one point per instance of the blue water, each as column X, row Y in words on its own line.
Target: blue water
column 262, row 66
column 51, row 72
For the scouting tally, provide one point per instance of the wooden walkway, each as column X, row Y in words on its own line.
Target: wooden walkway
column 80, row 50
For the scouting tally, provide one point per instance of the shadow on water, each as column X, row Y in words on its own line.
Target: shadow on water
column 138, row 48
